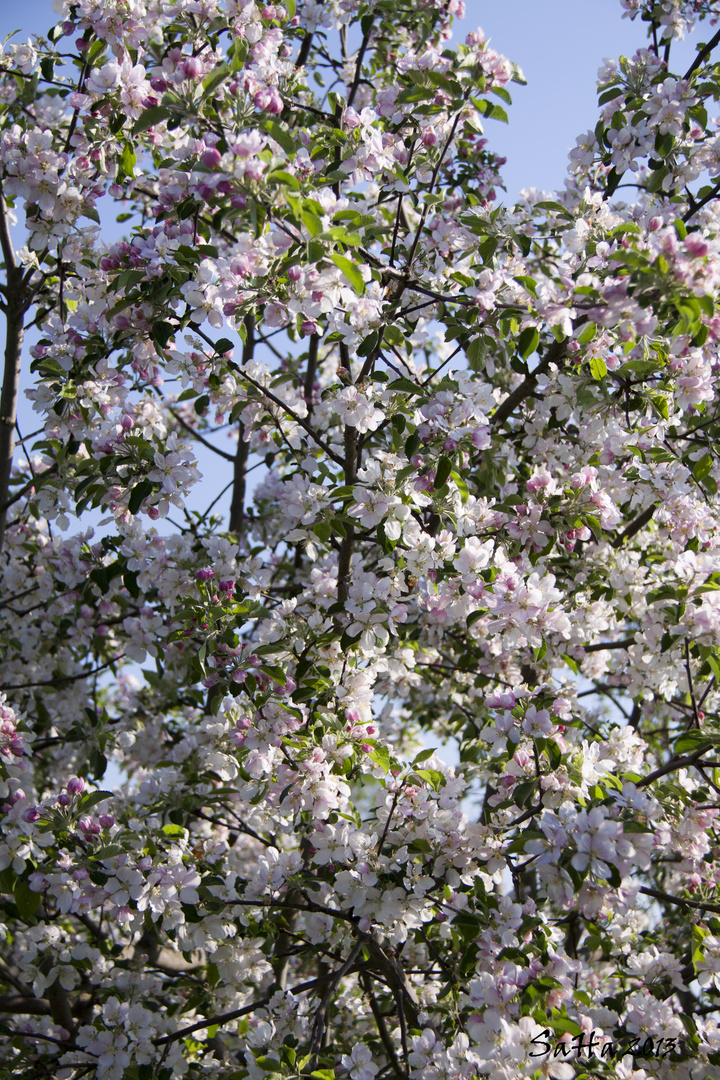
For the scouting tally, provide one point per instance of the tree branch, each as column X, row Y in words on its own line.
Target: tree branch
column 358, row 65
column 673, row 764
column 635, row 526
column 505, row 410
column 668, row 899
column 600, row 646
column 196, row 435
column 350, row 469
column 13, row 355
column 382, row 1028
column 225, row 1018
column 310, row 372
column 237, row 504
column 703, row 54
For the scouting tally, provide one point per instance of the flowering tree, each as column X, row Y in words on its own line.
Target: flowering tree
column 486, row 511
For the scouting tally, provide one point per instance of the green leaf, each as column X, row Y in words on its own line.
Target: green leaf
column 138, row 495
column 461, row 486
column 367, row 344
column 108, row 852
column 587, row 333
column 598, row 368
column 555, row 207
column 404, row 385
column 312, row 222
column 290, row 5
column 351, row 272
column 150, row 118
column 26, row 901
column 214, row 78
column 174, row 830
column 281, row 136
column 281, row 176
column 127, row 160
column 443, row 471
column 528, row 341
column 162, row 333
column 523, row 793
column 702, row 467
column 656, row 179
column 423, row 755
column 93, row 798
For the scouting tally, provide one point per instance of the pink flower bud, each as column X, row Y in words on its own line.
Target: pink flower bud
column 76, row 785
column 106, row 821
column 64, row 799
column 127, row 423
column 31, row 815
column 275, row 103
column 211, row 158
column 294, row 273
column 191, row 68
column 206, row 573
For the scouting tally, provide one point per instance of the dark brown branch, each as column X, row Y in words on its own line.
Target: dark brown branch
column 319, row 1023
column 225, row 1018
column 32, row 1006
column 673, row 764
column 237, row 504
column 635, row 526
column 350, row 470
column 691, row 687
column 695, row 206
column 59, row 679
column 44, row 1038
column 13, row 353
column 382, row 1028
column 668, row 899
column 304, row 50
column 392, row 972
column 196, row 435
column 310, row 372
column 32, row 482
column 358, row 66
column 600, row 646
column 292, row 414
column 505, row 410
column 703, row 54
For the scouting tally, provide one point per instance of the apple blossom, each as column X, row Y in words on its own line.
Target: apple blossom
column 484, row 523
